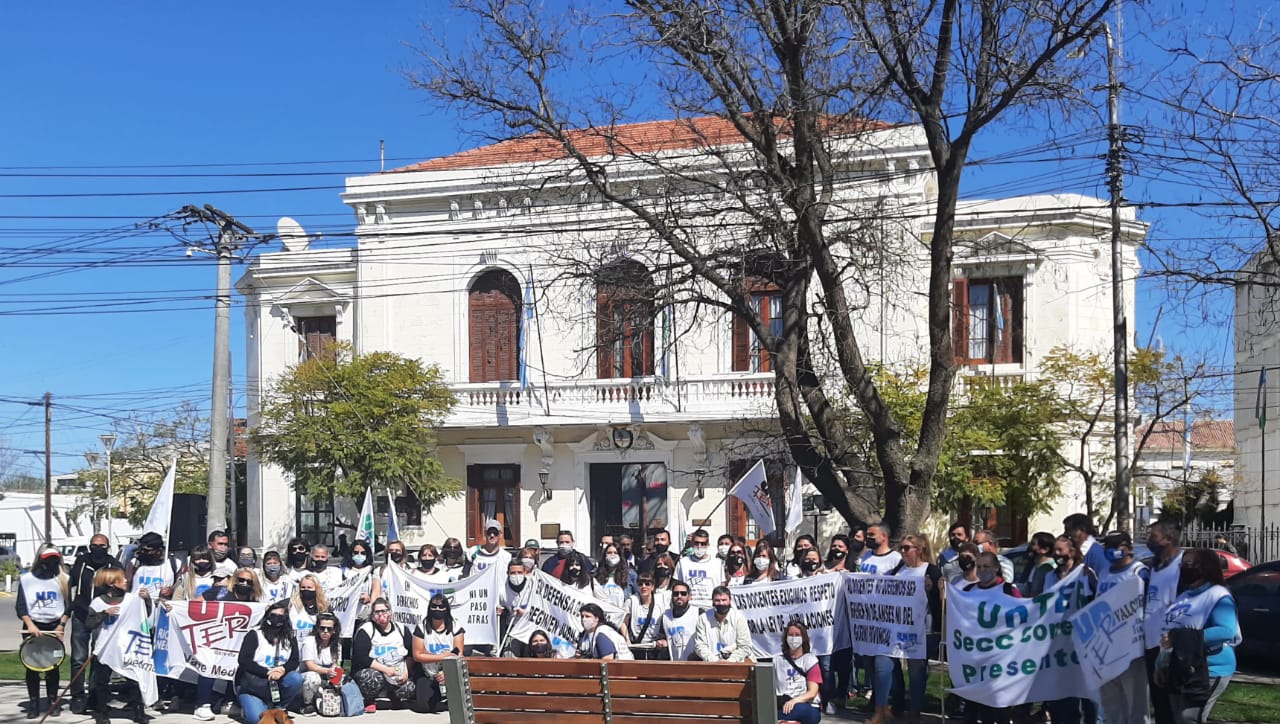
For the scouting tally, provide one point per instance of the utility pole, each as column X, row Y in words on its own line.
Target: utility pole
column 1120, row 322
column 48, row 467
column 230, row 235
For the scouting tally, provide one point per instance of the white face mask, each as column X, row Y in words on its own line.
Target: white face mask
column 700, row 551
column 515, row 579
column 358, row 560
column 528, row 563
column 794, row 642
column 564, row 548
column 761, row 563
column 612, row 560
column 723, row 550
column 588, row 623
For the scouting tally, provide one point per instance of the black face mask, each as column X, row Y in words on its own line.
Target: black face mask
column 736, row 560
column 202, row 568
column 398, row 556
column 809, row 566
column 539, row 648
column 437, row 614
column 244, row 590
column 660, row 548
column 277, row 620
column 98, row 554
column 1062, row 561
column 150, row 556
column 857, row 546
column 452, row 554
column 1188, row 578
column 662, row 572
column 575, row 571
column 319, row 565
column 836, row 555
column 115, row 591
column 307, row 596
column 955, row 544
column 297, row 558
column 426, row 564
column 722, row 609
column 967, row 563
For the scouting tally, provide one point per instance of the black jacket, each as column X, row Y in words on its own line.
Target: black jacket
column 80, row 582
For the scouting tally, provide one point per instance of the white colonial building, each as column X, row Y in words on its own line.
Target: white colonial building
column 1257, row 346
column 601, row 407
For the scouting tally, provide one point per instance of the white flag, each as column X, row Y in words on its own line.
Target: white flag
column 795, row 502
column 162, row 507
column 344, row 600
column 124, row 644
column 364, row 527
column 472, row 601
column 753, row 490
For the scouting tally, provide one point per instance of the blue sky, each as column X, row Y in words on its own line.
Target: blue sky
column 192, row 100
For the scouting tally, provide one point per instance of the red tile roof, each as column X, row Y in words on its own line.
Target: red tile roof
column 1205, row 435
column 630, row 138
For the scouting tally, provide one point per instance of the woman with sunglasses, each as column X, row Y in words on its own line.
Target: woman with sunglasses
column 379, row 659
column 243, row 586
column 321, row 654
column 456, row 566
column 299, row 553
column 359, row 560
column 644, row 620
column 267, row 675
column 437, row 639
column 917, row 562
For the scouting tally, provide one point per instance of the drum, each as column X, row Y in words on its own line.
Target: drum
column 42, row 653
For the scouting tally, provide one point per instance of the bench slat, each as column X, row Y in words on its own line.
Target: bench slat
column 486, row 666
column 719, row 708
column 684, row 717
column 546, row 685
column 535, row 717
column 678, row 671
column 672, row 689
column 527, row 702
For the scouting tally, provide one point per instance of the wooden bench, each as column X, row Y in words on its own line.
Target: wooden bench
column 587, row 691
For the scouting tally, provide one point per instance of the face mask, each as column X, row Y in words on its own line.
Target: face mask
column 115, row 591
column 1155, row 546
column 575, row 571
column 150, row 556
column 317, row 565
column 799, row 555
column 986, row 577
column 588, row 623
column 452, row 554
column 722, row 609
column 244, row 589
column 835, row 555
column 660, row 548
column 956, row 543
column 794, row 642
column 528, row 563
column 202, row 567
column 297, row 559
column 857, row 546
column 1187, row 579
column 810, row 566
column 1062, row 561
column 220, row 554
column 1114, row 554
column 736, row 560
column 245, row 562
column 272, row 569
column 761, row 563
column 722, row 550
column 700, row 551
column 98, row 554
column 307, row 596
column 359, row 559
column 612, row 560
column 516, row 580
column 398, row 556
column 873, row 541
column 437, row 615
column 662, row 571
column 967, row 563
column 539, row 648
column 564, row 549
column 426, row 564
column 277, row 620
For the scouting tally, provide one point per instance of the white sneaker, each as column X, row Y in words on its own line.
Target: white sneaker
column 204, row 713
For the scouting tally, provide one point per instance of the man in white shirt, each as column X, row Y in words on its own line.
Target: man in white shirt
column 987, row 543
column 1162, row 591
column 722, row 633
column 491, row 554
column 701, row 570
column 220, row 547
column 880, row 557
column 679, row 624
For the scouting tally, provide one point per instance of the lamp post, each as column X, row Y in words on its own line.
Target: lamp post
column 108, row 443
column 91, row 459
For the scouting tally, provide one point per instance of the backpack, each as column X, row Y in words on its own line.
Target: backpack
column 1188, row 672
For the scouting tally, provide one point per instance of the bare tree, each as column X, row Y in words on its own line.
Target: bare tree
column 795, row 81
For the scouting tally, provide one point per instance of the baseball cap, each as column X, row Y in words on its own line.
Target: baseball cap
column 492, row 524
column 1117, row 538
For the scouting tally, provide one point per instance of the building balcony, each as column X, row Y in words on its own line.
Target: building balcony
column 594, row 401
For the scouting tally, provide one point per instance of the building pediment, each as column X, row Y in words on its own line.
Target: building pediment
column 311, row 291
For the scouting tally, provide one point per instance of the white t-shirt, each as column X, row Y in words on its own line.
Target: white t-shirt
column 611, row 592
column 702, row 576
column 1162, row 590
column 436, row 643
column 309, row 651
column 45, row 601
column 481, row 561
column 640, row 620
column 879, row 564
column 282, row 588
column 153, row 578
column 303, row 622
column 791, row 679
column 680, row 632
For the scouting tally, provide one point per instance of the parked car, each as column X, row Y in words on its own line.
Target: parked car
column 1231, row 563
column 1257, row 594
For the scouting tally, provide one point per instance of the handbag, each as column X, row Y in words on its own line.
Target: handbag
column 1188, row 671
column 329, row 701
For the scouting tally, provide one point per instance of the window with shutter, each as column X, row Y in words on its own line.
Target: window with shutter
column 624, row 320
column 493, row 491
column 749, row 353
column 493, row 310
column 315, row 335
column 987, row 320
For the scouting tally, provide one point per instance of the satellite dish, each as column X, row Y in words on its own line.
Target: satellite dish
column 292, row 235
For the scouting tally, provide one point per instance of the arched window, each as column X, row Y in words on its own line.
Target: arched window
column 749, row 355
column 493, row 309
column 624, row 320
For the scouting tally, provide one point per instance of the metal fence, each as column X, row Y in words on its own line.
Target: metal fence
column 1256, row 545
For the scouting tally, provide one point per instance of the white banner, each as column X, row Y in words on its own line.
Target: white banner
column 127, row 648
column 769, row 607
column 161, row 513
column 1108, row 632
column 472, row 602
column 1005, row 651
column 344, row 600
column 884, row 615
column 203, row 637
column 555, row 608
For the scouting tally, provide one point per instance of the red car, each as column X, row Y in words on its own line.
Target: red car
column 1232, row 563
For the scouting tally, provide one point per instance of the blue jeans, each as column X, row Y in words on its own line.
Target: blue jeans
column 912, row 693
column 805, row 713
column 883, row 681
column 79, row 654
column 253, row 706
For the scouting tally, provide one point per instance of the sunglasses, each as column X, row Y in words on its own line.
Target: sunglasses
column 299, row 549
column 906, row 548
column 492, row 533
column 244, row 580
column 644, row 583
column 437, row 608
column 325, row 629
column 682, row 594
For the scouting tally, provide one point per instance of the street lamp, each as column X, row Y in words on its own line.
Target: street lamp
column 108, row 443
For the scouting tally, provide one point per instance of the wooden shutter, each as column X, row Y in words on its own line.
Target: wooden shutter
column 604, row 333
column 741, row 345
column 960, row 319
column 494, row 327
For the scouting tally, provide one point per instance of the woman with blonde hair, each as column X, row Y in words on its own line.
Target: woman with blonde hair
column 308, row 602
column 44, row 608
column 198, row 576
column 917, row 562
column 104, row 611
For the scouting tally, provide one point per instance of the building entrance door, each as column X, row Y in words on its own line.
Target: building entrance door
column 628, row 498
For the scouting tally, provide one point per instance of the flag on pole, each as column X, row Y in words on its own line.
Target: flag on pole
column 1260, row 406
column 364, row 527
column 753, row 490
column 795, row 502
column 162, row 507
column 393, row 524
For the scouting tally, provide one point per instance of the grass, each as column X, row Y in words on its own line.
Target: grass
column 11, row 668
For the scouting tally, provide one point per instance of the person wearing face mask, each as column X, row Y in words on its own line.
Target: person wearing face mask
column 797, row 679
column 395, row 557
column 275, row 584
column 1162, row 590
column 81, row 589
column 810, row 563
column 198, row 577
column 104, row 611
column 490, row 554
column 1124, row 698
column 679, row 624
column 554, row 566
column 803, row 544
column 359, row 561
column 661, row 546
column 379, row 658
column 838, row 554
column 151, row 569
column 701, row 570
column 437, row 639
column 539, row 646
column 966, row 562
column 512, row 601
column 1079, row 528
column 957, row 535
column 529, row 556
column 663, row 570
column 737, row 570
column 575, row 573
column 455, row 565
column 243, row 586
column 626, row 547
column 246, row 557
column 614, row 579
column 722, row 633
column 267, row 675
column 1199, row 634
column 599, row 638
column 1040, row 553
column 330, row 577
column 765, row 567
column 308, row 601
column 298, row 553
column 44, row 607
column 429, row 568
column 219, row 544
column 917, row 562
column 723, row 544
column 986, row 577
column 1069, row 559
column 880, row 557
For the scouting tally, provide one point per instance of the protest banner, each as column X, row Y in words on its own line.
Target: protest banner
column 472, row 602
column 203, row 637
column 344, row 600
column 1003, row 651
column 769, row 607
column 1108, row 632
column 884, row 615
column 555, row 608
column 126, row 646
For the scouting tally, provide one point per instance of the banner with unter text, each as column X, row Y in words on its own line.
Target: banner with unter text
column 769, row 607
column 1108, row 632
column 472, row 601
column 884, row 615
column 125, row 646
column 1005, row 651
column 555, row 608
column 203, row 637
column 344, row 600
